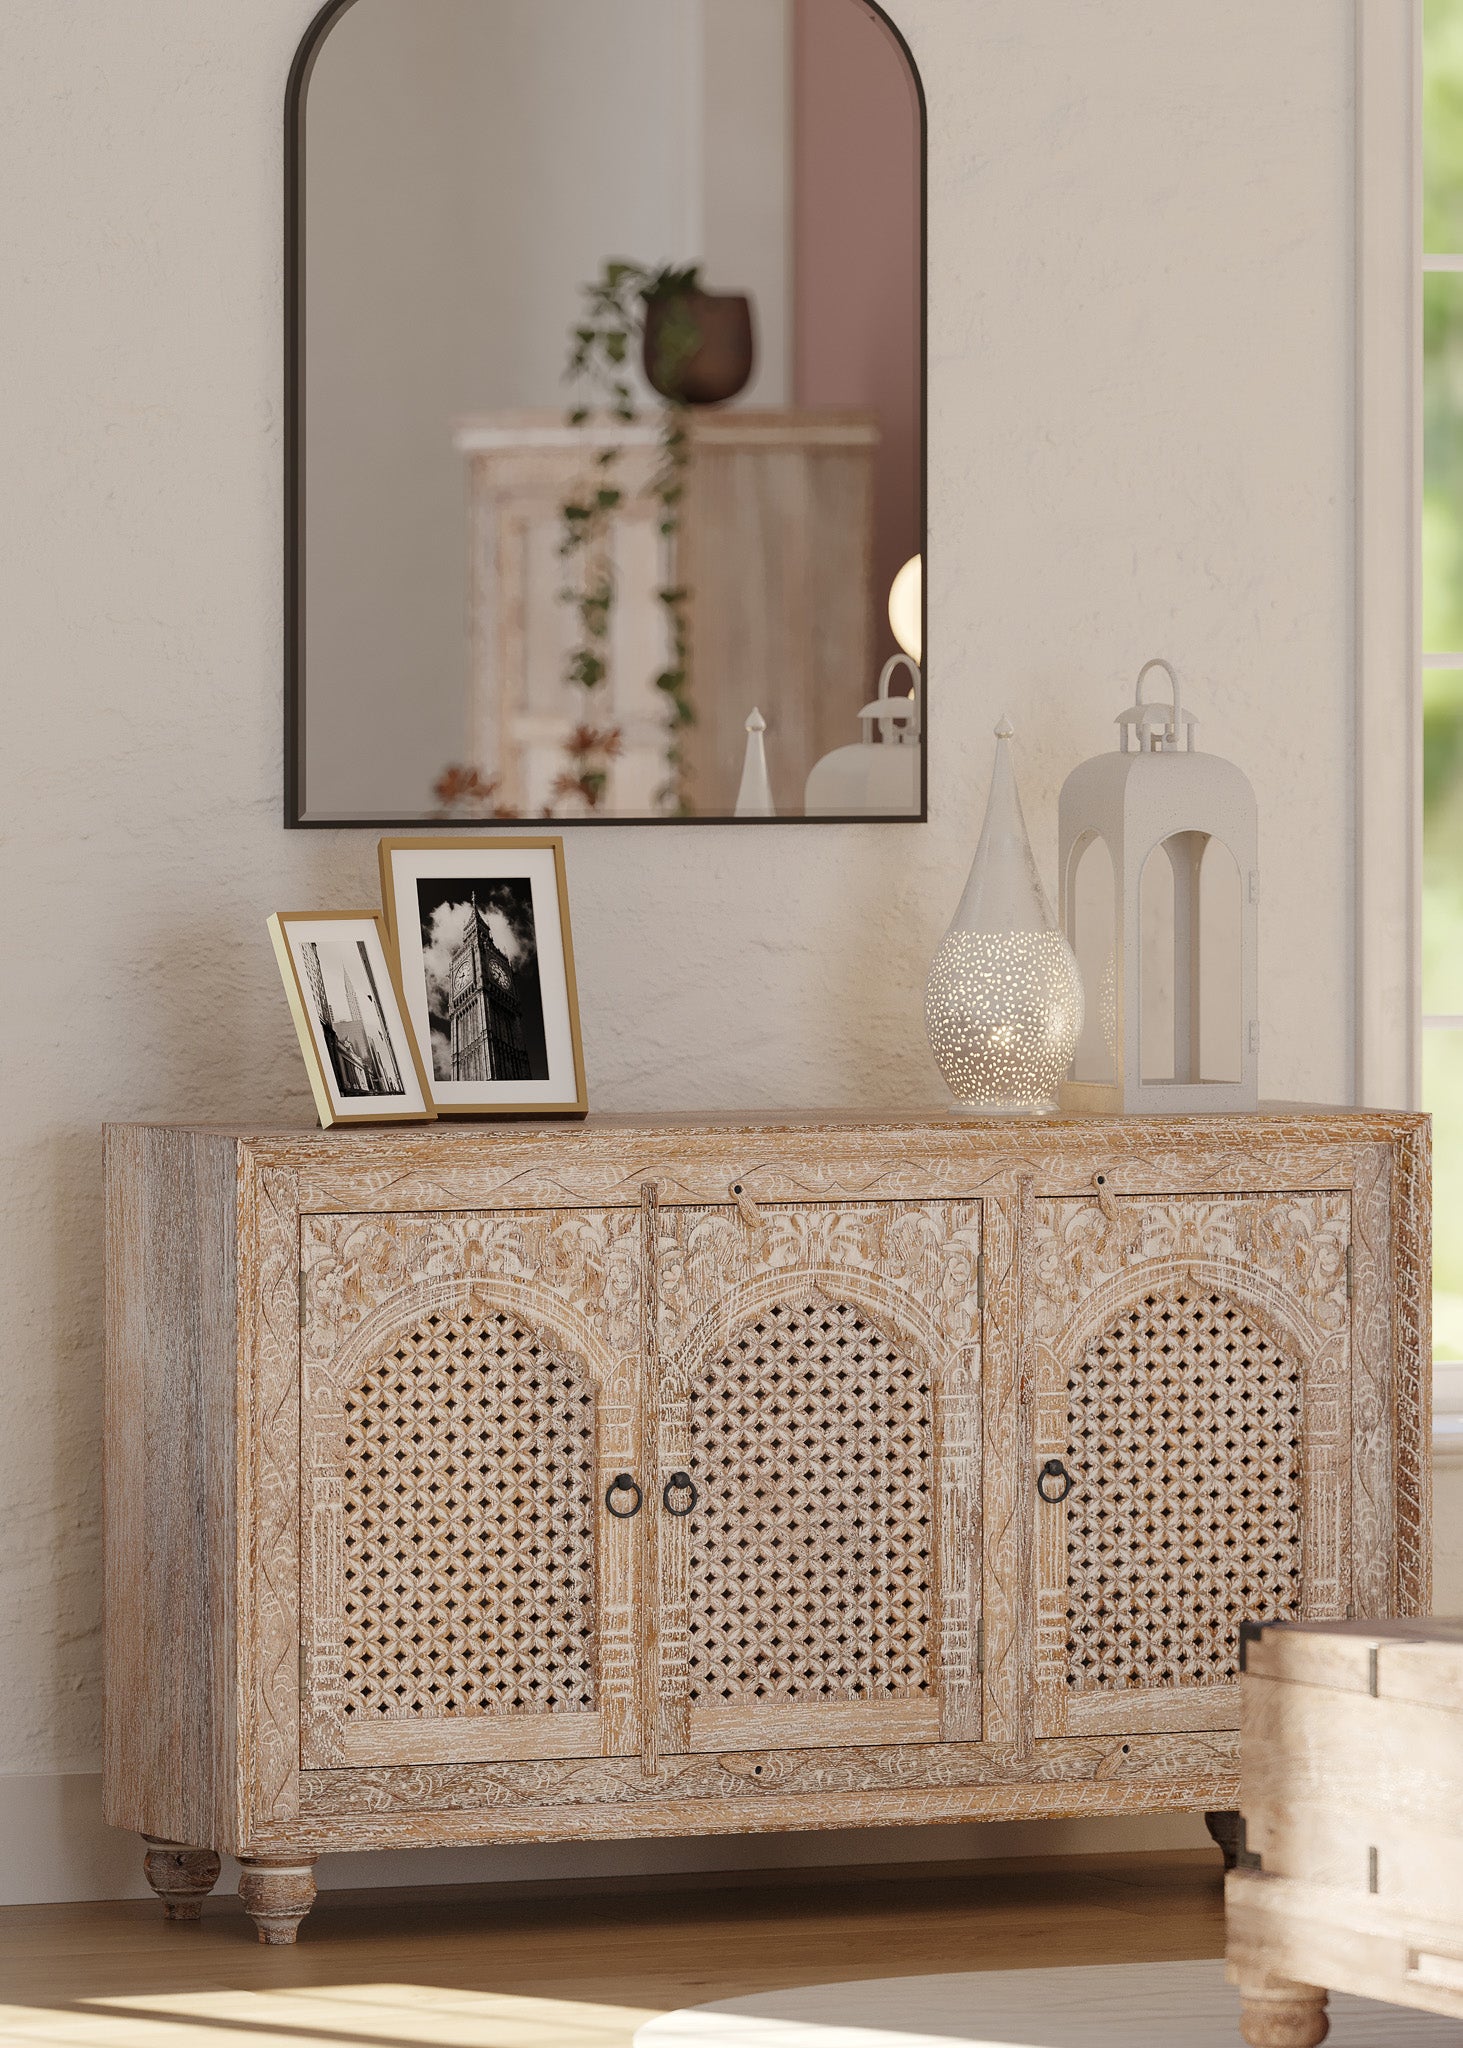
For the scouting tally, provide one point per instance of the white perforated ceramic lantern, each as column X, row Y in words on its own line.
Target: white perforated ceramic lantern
column 1158, row 851
column 1003, row 1003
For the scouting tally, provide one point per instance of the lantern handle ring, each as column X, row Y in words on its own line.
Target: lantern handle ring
column 1168, row 670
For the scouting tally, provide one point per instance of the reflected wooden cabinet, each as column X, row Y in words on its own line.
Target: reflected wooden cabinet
column 688, row 1477
column 776, row 550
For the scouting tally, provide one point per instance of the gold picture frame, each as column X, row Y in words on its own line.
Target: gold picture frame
column 445, row 957
column 374, row 1042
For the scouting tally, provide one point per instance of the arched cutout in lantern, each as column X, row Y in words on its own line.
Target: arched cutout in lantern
column 1221, row 971
column 1172, row 966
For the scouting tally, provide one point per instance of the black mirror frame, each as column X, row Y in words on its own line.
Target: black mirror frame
column 294, row 473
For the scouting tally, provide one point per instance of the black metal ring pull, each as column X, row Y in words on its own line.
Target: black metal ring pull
column 621, row 1484
column 1054, row 1470
column 680, row 1482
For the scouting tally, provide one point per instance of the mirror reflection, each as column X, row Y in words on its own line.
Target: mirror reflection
column 608, row 451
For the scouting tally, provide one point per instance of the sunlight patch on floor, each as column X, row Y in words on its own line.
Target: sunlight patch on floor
column 371, row 2015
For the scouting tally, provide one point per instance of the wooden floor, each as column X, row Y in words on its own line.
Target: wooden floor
column 500, row 1967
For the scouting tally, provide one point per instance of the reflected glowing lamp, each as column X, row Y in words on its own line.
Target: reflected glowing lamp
column 907, row 608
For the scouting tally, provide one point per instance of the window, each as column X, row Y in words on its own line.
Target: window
column 1442, row 642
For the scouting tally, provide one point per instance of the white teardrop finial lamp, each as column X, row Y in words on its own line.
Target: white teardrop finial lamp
column 1003, row 1004
column 754, row 798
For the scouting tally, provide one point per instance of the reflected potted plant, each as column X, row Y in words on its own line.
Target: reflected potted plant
column 697, row 348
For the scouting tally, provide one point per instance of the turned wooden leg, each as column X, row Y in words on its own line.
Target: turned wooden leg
column 181, row 1877
column 1274, row 2013
column 277, row 1896
column 1227, row 1829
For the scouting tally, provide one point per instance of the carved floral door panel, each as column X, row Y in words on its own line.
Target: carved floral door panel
column 819, row 1389
column 470, row 1390
column 1192, row 1361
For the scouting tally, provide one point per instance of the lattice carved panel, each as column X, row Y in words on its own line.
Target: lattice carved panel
column 1184, row 1519
column 1280, row 1263
column 812, row 1546
column 468, row 1490
column 471, row 1384
column 902, row 1285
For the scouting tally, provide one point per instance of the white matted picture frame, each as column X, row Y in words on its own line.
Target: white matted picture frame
column 346, row 1000
column 480, row 934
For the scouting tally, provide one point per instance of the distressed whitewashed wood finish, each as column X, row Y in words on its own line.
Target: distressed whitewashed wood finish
column 182, row 1878
column 174, row 1503
column 820, row 1380
column 1352, row 1788
column 223, row 1243
column 766, row 1777
column 1212, row 1472
column 470, row 1388
column 268, row 1530
column 1410, row 1297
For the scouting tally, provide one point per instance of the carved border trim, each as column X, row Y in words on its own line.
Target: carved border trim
column 598, row 1165
column 1411, row 1315
column 268, row 1495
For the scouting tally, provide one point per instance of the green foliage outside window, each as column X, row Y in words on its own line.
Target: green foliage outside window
column 1442, row 578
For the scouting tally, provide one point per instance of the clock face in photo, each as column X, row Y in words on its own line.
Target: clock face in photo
column 507, row 1042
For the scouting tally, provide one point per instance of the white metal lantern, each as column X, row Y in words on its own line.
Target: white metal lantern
column 1003, row 1004
column 1160, row 890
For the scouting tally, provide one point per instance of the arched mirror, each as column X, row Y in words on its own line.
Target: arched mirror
column 605, row 409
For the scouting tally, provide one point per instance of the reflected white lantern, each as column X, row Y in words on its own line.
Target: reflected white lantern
column 1159, row 882
column 1003, row 1004
column 880, row 777
column 874, row 780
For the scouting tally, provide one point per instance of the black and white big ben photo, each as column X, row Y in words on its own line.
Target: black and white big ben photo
column 484, row 1000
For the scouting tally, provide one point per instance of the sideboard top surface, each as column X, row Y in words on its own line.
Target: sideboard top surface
column 795, row 1156
column 1005, row 1133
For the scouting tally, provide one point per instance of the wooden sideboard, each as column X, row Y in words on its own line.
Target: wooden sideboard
column 683, row 1475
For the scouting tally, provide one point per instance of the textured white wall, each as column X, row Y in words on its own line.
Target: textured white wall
column 1141, row 233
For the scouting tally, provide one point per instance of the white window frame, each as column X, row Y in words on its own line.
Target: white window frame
column 1388, row 731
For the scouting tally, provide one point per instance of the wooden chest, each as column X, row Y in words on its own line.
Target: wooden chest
column 1351, row 1791
column 681, row 1476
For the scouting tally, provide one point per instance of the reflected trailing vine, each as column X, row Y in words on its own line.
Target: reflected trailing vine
column 615, row 311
